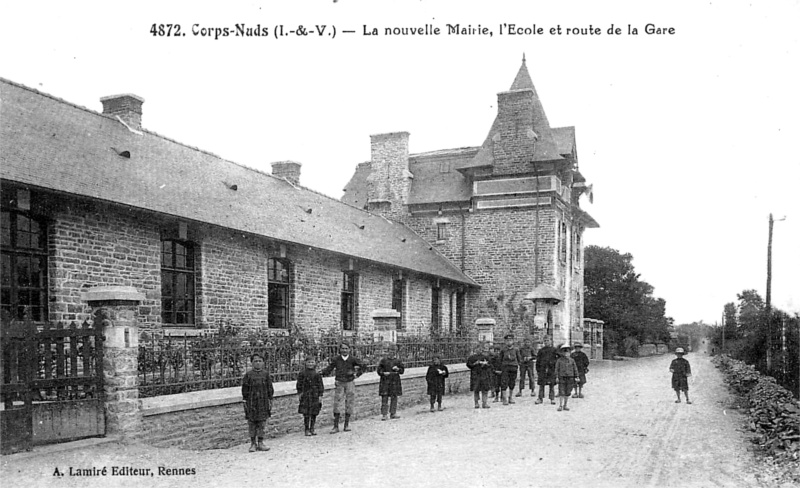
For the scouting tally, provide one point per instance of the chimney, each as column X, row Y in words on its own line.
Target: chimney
column 389, row 179
column 127, row 106
column 287, row 169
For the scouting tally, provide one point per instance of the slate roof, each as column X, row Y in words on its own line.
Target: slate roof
column 435, row 178
column 49, row 143
column 546, row 148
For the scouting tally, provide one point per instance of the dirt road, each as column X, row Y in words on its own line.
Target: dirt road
column 627, row 431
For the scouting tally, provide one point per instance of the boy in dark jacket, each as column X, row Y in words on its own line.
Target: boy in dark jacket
column 545, row 370
column 435, row 376
column 480, row 377
column 508, row 369
column 389, row 370
column 310, row 388
column 582, row 362
column 681, row 370
column 257, row 393
column 348, row 368
column 525, row 359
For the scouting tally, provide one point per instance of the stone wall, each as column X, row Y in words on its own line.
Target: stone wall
column 94, row 244
column 99, row 245
column 214, row 419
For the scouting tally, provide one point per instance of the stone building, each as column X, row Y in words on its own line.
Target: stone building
column 92, row 199
column 506, row 212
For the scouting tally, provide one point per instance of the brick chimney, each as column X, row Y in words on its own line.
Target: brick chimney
column 127, row 106
column 389, row 181
column 287, row 169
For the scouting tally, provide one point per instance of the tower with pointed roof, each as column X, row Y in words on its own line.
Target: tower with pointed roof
column 507, row 212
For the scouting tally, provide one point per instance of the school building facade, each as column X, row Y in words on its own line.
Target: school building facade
column 91, row 199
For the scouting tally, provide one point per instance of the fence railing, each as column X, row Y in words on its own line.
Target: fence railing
column 173, row 365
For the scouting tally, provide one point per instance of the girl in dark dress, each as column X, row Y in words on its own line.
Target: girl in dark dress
column 310, row 388
column 435, row 376
column 389, row 370
column 257, row 393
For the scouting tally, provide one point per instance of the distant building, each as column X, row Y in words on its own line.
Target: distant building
column 506, row 212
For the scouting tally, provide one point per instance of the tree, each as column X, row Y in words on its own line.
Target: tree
column 616, row 295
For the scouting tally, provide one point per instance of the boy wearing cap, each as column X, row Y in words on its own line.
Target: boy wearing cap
column 681, row 370
column 582, row 362
column 567, row 375
column 508, row 368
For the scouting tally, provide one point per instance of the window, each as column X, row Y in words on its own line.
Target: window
column 349, row 284
column 563, row 241
column 436, row 321
column 460, row 301
column 577, row 249
column 24, row 261
column 441, row 231
column 398, row 289
column 177, row 282
column 279, row 280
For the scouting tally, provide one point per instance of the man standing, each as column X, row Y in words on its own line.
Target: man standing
column 546, row 370
column 348, row 368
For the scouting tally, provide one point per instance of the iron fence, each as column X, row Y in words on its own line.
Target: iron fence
column 170, row 365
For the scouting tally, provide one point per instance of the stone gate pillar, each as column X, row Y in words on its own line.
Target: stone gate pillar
column 114, row 308
column 485, row 328
column 385, row 324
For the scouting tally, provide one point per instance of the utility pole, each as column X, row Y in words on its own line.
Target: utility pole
column 769, row 296
column 769, row 293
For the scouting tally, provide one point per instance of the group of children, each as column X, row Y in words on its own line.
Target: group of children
column 495, row 369
column 491, row 369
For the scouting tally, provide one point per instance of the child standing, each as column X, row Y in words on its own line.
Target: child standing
column 435, row 376
column 480, row 376
column 389, row 370
column 525, row 359
column 545, row 369
column 566, row 373
column 508, row 369
column 348, row 368
column 257, row 393
column 582, row 362
column 310, row 388
column 497, row 372
column 681, row 370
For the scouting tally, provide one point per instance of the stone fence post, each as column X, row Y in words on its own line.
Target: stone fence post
column 385, row 324
column 114, row 308
column 485, row 328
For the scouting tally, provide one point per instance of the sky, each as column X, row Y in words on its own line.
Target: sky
column 689, row 138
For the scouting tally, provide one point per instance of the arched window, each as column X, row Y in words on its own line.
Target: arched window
column 279, row 282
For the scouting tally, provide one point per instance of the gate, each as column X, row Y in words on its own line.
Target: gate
column 52, row 388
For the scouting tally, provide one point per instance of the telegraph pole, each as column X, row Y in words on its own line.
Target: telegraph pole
column 769, row 293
